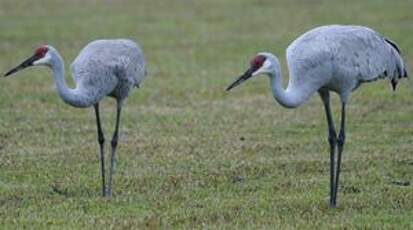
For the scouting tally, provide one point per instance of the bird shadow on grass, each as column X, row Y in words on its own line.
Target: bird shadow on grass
column 56, row 189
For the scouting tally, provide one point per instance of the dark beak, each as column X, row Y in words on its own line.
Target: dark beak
column 241, row 79
column 28, row 62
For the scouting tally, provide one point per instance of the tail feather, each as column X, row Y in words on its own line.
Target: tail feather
column 393, row 44
column 400, row 64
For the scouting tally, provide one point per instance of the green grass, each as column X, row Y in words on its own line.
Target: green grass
column 191, row 155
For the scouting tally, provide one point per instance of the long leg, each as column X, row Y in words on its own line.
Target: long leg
column 101, row 140
column 332, row 140
column 340, row 146
column 114, row 144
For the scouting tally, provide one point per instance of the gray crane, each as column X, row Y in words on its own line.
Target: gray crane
column 103, row 68
column 336, row 58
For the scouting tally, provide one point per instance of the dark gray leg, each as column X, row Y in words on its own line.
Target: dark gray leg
column 101, row 140
column 332, row 140
column 114, row 144
column 340, row 145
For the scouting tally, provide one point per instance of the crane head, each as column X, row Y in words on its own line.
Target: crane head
column 258, row 65
column 40, row 57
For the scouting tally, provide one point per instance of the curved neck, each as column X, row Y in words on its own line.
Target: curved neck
column 290, row 97
column 73, row 97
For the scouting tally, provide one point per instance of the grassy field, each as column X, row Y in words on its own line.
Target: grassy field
column 191, row 155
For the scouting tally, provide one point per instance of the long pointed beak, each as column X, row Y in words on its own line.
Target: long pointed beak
column 26, row 63
column 241, row 79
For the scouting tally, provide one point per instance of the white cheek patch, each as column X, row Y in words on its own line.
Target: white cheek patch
column 43, row 61
column 266, row 65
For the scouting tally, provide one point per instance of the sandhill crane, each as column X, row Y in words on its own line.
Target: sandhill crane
column 103, row 68
column 336, row 58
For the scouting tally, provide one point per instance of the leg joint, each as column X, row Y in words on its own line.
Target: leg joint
column 101, row 139
column 341, row 138
column 114, row 142
column 332, row 138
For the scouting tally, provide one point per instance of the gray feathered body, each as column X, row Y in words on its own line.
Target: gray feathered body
column 340, row 58
column 109, row 68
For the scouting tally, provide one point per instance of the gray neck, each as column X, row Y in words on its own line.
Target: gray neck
column 290, row 97
column 74, row 97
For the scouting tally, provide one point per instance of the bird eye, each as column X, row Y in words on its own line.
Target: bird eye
column 257, row 61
